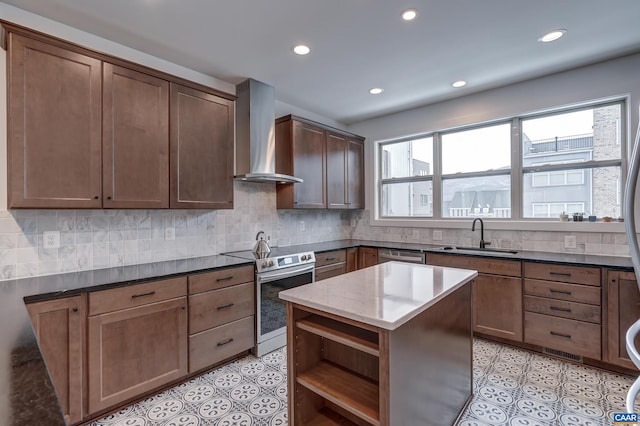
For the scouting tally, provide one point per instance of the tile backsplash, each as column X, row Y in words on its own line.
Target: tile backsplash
column 94, row 239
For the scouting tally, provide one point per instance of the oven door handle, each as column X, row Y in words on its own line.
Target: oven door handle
column 273, row 277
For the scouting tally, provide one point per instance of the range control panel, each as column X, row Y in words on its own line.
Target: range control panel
column 282, row 262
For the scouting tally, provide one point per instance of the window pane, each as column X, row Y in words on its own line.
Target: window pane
column 593, row 191
column 488, row 196
column 408, row 158
column 407, row 199
column 486, row 148
column 591, row 134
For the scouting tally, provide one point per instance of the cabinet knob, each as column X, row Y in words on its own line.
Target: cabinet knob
column 108, row 198
column 96, row 197
column 75, row 309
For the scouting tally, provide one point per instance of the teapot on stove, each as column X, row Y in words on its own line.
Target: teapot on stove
column 261, row 249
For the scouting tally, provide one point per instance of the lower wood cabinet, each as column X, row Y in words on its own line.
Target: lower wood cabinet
column 367, row 256
column 623, row 309
column 330, row 264
column 221, row 315
column 352, row 259
column 60, row 328
column 563, row 309
column 497, row 293
column 133, row 350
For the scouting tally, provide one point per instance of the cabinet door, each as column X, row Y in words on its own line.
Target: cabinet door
column 337, row 171
column 135, row 144
column 201, row 150
column 54, row 122
column 352, row 259
column 367, row 257
column 309, row 164
column 497, row 306
column 355, row 174
column 623, row 310
column 132, row 351
column 59, row 327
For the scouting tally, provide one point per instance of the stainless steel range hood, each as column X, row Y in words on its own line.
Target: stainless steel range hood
column 255, row 134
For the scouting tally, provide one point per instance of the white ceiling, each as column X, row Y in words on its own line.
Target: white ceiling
column 360, row 44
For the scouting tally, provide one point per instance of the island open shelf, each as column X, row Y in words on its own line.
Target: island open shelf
column 415, row 369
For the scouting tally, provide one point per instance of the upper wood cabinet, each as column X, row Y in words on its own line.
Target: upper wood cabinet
column 54, row 122
column 87, row 130
column 202, row 138
column 300, row 151
column 330, row 163
column 135, row 142
column 345, row 171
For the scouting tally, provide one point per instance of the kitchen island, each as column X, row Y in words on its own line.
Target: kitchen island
column 386, row 345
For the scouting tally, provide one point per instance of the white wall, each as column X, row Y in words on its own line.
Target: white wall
column 614, row 79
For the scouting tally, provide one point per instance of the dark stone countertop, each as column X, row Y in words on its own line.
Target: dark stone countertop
column 26, row 393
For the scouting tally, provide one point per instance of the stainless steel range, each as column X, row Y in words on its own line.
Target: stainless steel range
column 281, row 270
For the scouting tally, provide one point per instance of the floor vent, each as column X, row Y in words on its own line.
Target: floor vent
column 563, row 355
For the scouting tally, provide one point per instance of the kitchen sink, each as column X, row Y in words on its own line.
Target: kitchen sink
column 478, row 250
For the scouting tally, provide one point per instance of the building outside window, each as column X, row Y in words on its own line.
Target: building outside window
column 568, row 161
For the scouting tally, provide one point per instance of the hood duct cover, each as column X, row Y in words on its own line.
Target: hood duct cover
column 256, row 134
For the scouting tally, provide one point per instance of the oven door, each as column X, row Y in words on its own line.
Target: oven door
column 272, row 311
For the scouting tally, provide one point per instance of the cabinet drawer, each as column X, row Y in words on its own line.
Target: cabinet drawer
column 217, row 307
column 562, row 273
column 330, row 257
column 220, row 278
column 481, row 264
column 329, row 271
column 136, row 295
column 562, row 308
column 576, row 337
column 561, row 291
column 214, row 345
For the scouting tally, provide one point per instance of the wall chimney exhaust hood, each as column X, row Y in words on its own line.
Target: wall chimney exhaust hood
column 256, row 134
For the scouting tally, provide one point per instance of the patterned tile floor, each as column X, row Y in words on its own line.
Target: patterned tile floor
column 511, row 387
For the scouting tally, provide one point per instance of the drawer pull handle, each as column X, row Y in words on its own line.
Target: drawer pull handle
column 330, row 258
column 225, row 306
column 566, row 336
column 225, row 342
column 225, row 278
column 568, row 293
column 561, row 274
column 151, row 293
column 554, row 308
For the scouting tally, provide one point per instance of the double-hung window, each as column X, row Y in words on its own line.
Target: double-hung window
column 529, row 167
column 406, row 184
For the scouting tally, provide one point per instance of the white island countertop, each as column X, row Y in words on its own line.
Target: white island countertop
column 386, row 295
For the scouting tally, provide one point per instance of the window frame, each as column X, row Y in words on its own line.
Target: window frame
column 516, row 172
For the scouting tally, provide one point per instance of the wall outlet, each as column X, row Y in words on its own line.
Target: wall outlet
column 570, row 241
column 170, row 233
column 51, row 239
column 416, row 234
column 301, row 226
column 437, row 235
column 353, row 223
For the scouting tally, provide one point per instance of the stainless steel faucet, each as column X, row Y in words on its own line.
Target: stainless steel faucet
column 483, row 243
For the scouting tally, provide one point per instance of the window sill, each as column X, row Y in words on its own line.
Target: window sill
column 507, row 225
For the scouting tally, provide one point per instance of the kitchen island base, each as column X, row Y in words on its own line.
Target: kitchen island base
column 345, row 372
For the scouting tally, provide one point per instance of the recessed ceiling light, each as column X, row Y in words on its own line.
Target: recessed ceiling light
column 552, row 35
column 409, row 14
column 376, row 91
column 301, row 49
column 459, row 83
